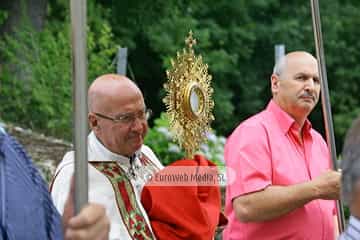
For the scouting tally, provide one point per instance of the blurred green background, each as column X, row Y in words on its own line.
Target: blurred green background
column 235, row 37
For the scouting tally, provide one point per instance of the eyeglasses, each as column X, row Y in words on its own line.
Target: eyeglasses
column 128, row 118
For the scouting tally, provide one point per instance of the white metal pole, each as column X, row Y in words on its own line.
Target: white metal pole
column 325, row 98
column 79, row 64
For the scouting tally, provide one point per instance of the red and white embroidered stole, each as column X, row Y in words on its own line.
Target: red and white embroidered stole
column 125, row 198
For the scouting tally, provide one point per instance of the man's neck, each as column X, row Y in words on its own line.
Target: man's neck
column 301, row 122
column 111, row 150
column 299, row 117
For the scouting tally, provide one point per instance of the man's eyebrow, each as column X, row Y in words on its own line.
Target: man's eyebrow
column 317, row 78
column 121, row 114
column 302, row 74
column 127, row 113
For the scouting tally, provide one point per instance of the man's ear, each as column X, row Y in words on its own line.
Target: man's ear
column 93, row 122
column 275, row 83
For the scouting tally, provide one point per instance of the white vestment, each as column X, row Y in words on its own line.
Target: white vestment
column 100, row 188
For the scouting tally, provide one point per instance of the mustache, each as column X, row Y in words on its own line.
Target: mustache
column 136, row 134
column 308, row 95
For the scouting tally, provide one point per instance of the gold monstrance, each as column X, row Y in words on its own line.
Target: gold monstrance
column 188, row 100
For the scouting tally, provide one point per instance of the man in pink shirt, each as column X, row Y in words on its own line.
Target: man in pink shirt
column 283, row 187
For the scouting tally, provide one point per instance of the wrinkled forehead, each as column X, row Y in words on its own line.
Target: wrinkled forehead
column 129, row 101
column 114, row 95
column 301, row 64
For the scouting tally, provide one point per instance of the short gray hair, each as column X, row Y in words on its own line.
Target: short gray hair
column 280, row 66
column 350, row 163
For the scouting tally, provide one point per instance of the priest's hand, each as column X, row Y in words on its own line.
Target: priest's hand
column 90, row 224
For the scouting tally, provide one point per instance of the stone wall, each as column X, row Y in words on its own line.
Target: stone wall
column 46, row 152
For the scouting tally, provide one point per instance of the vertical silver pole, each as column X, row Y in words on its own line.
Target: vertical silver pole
column 121, row 61
column 279, row 51
column 79, row 62
column 325, row 98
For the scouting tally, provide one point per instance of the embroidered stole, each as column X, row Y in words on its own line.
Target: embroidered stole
column 129, row 209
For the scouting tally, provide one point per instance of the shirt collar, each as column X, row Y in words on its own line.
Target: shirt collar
column 2, row 130
column 353, row 227
column 355, row 221
column 286, row 122
column 106, row 155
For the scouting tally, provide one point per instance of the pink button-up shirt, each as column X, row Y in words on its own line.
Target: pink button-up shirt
column 263, row 151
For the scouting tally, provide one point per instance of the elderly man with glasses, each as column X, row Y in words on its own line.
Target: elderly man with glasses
column 119, row 163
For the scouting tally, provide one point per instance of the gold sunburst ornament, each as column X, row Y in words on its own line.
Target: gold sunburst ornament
column 188, row 101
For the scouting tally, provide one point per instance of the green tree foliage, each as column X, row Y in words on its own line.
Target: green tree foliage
column 235, row 37
column 37, row 77
column 3, row 16
column 343, row 61
column 36, row 85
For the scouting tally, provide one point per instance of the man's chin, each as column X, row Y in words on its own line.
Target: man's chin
column 308, row 100
column 306, row 108
column 137, row 144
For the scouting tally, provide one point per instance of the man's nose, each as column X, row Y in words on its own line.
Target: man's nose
column 137, row 123
column 310, row 84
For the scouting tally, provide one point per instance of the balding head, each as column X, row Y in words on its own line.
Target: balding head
column 107, row 87
column 112, row 97
column 284, row 61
